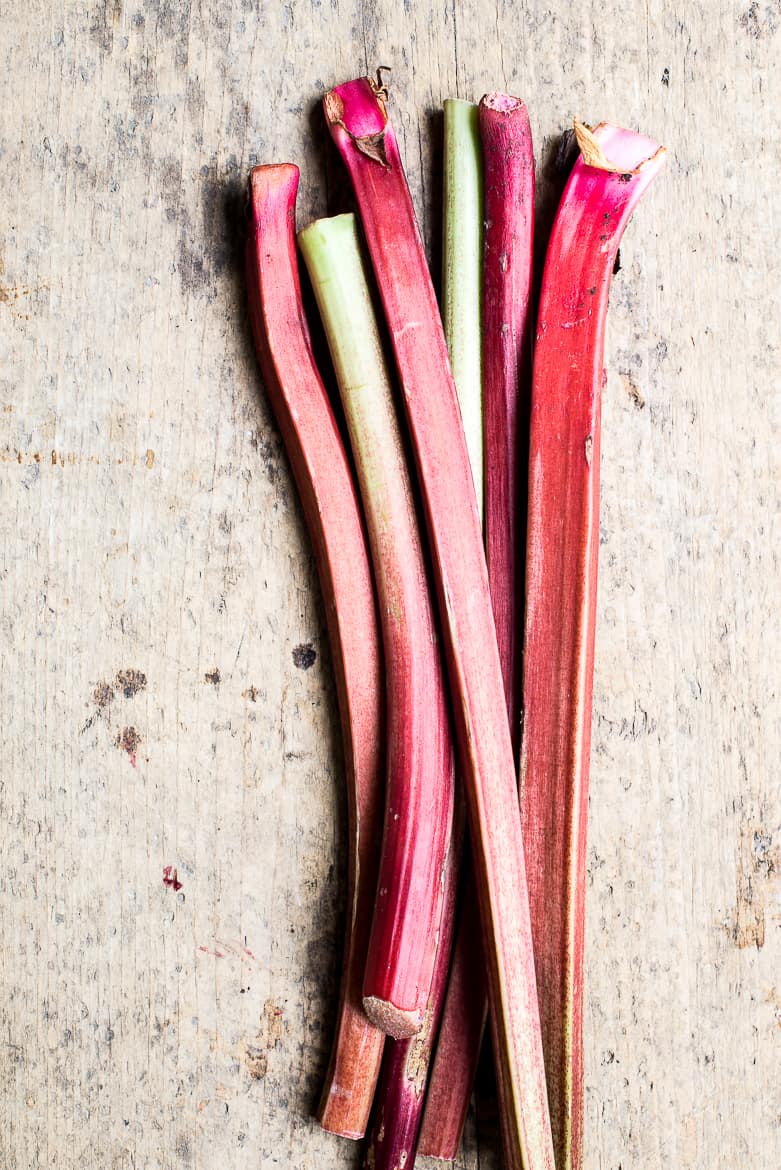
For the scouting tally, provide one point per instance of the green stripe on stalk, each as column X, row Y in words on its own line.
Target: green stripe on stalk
column 462, row 272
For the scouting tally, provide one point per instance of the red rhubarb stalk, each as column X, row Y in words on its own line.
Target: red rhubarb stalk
column 333, row 518
column 357, row 118
column 615, row 168
column 420, row 776
column 508, row 166
column 508, row 162
column 401, row 1091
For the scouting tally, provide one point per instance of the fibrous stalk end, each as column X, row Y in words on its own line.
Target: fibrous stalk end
column 394, row 1021
column 503, row 103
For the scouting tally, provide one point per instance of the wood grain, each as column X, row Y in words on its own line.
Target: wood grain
column 166, row 695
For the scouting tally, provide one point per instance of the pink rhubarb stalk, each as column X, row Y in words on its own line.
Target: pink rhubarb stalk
column 357, row 118
column 333, row 517
column 401, row 1092
column 420, row 771
column 508, row 166
column 615, row 168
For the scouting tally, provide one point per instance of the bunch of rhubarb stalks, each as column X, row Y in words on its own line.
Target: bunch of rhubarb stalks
column 457, row 555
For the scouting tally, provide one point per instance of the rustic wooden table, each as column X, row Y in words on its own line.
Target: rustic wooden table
column 173, row 819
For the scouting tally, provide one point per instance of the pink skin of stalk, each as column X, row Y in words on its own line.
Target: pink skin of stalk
column 401, row 1091
column 357, row 120
column 333, row 517
column 561, row 591
column 508, row 165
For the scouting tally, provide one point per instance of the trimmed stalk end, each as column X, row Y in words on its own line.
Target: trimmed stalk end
column 354, row 1135
column 502, row 103
column 267, row 178
column 392, row 1020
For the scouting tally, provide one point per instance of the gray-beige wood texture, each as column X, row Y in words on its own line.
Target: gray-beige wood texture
column 172, row 813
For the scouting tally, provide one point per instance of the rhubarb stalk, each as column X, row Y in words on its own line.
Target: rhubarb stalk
column 420, row 778
column 462, row 251
column 508, row 166
column 614, row 169
column 333, row 518
column 401, row 1091
column 357, row 118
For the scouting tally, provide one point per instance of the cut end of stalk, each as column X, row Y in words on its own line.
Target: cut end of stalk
column 595, row 144
column 263, row 180
column 394, row 1021
column 359, row 108
column 338, row 1131
column 338, row 229
column 502, row 103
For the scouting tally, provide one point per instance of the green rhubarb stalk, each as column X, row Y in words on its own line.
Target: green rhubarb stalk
column 420, row 764
column 462, row 268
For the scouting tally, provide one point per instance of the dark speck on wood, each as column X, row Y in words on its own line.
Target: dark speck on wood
column 213, row 676
column 128, row 739
column 103, row 695
column 304, row 656
column 130, row 682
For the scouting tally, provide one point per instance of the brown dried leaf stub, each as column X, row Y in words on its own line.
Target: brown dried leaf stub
column 373, row 146
column 379, row 87
column 590, row 149
column 334, row 108
column 593, row 155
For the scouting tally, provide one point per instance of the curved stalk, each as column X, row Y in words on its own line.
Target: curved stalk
column 420, row 778
column 333, row 518
column 615, row 168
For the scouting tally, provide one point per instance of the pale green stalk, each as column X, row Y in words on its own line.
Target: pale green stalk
column 420, row 779
column 332, row 253
column 462, row 272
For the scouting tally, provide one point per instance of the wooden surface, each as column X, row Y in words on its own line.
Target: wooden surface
column 165, row 694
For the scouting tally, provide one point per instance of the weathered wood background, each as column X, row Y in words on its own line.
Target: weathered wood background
column 165, row 694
